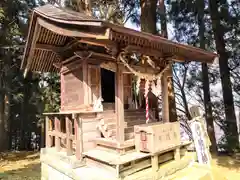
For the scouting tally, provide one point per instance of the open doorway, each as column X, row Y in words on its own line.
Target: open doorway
column 108, row 86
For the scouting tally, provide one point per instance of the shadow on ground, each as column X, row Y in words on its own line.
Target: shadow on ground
column 16, row 156
column 227, row 162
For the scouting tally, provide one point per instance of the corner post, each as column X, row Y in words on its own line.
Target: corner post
column 171, row 97
column 85, row 81
column 69, row 135
column 119, row 105
column 78, row 135
column 57, row 133
column 165, row 100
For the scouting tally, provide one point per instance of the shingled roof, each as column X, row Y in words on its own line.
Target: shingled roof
column 54, row 30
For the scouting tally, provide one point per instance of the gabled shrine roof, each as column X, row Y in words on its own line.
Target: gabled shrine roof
column 56, row 33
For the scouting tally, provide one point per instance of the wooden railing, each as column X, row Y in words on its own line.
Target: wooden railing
column 62, row 133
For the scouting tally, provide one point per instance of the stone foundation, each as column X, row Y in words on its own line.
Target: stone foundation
column 50, row 173
column 55, row 167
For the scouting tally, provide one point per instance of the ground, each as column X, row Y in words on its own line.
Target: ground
column 19, row 166
column 26, row 165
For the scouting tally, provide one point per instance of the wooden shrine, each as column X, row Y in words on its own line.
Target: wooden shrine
column 103, row 126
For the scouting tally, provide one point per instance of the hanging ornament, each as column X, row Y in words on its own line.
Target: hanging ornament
column 138, row 82
column 147, row 102
column 147, row 76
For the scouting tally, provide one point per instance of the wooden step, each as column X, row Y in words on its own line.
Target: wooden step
column 133, row 162
column 116, row 159
column 101, row 155
column 136, row 122
column 108, row 112
column 114, row 143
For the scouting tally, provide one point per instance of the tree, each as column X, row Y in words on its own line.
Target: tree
column 18, row 109
column 148, row 16
column 191, row 23
column 171, row 95
column 180, row 77
column 231, row 132
column 205, row 80
column 8, row 35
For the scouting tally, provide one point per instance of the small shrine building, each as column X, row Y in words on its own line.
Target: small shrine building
column 111, row 80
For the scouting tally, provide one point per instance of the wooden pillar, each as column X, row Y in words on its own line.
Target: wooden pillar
column 119, row 105
column 69, row 135
column 62, row 83
column 57, row 132
column 165, row 102
column 154, row 162
column 177, row 154
column 85, row 82
column 171, row 97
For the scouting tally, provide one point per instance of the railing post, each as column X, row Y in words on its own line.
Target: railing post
column 48, row 127
column 48, row 139
column 69, row 134
column 78, row 134
column 57, row 133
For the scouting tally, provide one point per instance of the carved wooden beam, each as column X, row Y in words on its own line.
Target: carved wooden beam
column 143, row 51
column 47, row 47
column 98, row 42
column 54, row 48
column 155, row 53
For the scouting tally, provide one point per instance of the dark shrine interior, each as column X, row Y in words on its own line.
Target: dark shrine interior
column 108, row 85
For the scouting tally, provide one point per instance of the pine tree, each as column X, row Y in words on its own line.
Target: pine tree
column 231, row 131
column 14, row 103
column 206, row 90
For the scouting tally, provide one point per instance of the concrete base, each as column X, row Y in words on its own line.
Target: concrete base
column 54, row 168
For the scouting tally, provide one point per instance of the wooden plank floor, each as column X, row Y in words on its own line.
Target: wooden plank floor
column 115, row 159
column 132, row 156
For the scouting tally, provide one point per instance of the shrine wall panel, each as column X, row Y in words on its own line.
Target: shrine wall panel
column 72, row 89
column 90, row 131
column 94, row 82
column 127, row 88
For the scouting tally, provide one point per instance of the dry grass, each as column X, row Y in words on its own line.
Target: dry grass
column 19, row 166
column 26, row 165
column 225, row 167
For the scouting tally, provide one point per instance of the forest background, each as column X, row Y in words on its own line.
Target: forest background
column 210, row 24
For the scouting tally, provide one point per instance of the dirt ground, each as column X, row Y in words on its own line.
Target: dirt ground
column 26, row 165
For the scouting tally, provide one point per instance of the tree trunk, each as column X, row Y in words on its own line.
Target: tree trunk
column 3, row 130
column 171, row 95
column 24, row 108
column 148, row 20
column 184, row 99
column 206, row 89
column 84, row 5
column 218, row 31
column 148, row 16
